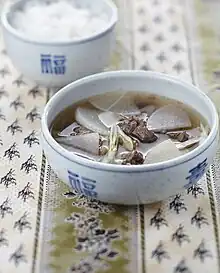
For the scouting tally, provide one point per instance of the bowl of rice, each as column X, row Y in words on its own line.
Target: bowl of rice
column 55, row 42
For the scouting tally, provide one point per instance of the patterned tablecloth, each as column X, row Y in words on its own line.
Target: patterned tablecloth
column 46, row 228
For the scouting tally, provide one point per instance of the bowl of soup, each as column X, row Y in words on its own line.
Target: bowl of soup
column 130, row 137
column 72, row 38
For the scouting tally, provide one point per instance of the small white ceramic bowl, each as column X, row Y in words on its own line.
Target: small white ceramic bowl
column 130, row 184
column 79, row 58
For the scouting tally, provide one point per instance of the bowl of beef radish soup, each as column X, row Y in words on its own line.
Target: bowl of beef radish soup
column 130, row 137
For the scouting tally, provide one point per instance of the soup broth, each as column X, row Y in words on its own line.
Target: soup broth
column 130, row 128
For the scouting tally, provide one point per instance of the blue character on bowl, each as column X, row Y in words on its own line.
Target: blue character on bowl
column 82, row 184
column 53, row 64
column 196, row 173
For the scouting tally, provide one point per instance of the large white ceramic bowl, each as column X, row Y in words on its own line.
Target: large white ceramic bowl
column 130, row 184
column 79, row 58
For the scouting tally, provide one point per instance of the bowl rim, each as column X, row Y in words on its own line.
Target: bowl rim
column 121, row 168
column 7, row 9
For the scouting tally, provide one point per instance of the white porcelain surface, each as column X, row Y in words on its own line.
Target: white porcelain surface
column 83, row 57
column 130, row 184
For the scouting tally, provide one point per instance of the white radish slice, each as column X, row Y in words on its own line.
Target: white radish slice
column 168, row 117
column 81, row 153
column 187, row 144
column 69, row 129
column 88, row 118
column 119, row 102
column 105, row 101
column 87, row 142
column 164, row 151
column 145, row 147
column 125, row 106
column 109, row 118
column 149, row 109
